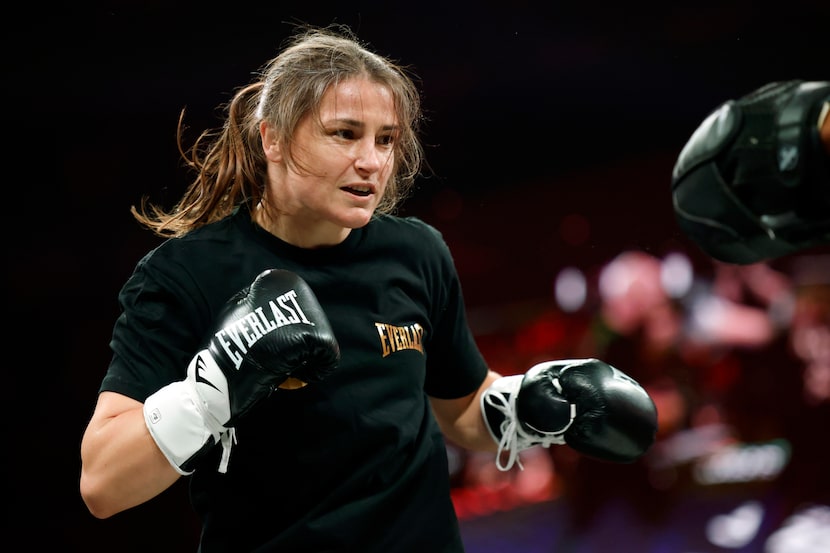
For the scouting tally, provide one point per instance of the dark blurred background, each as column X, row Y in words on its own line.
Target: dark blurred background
column 551, row 132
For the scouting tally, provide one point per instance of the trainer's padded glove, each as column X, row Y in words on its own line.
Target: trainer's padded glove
column 270, row 330
column 585, row 403
column 753, row 181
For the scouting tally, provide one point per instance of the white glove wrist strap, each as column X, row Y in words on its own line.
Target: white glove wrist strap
column 181, row 426
column 502, row 395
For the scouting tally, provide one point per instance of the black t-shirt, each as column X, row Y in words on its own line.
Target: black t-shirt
column 355, row 463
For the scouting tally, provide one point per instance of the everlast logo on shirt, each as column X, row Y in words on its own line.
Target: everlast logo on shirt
column 245, row 332
column 395, row 338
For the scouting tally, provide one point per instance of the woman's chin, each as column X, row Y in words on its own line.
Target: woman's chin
column 356, row 218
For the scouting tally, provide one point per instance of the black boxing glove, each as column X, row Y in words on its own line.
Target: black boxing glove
column 753, row 181
column 270, row 330
column 585, row 403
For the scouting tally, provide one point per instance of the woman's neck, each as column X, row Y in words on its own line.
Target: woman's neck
column 302, row 233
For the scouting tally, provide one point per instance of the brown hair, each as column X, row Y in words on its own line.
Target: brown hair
column 229, row 162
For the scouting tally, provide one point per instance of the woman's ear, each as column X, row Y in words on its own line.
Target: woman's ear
column 270, row 143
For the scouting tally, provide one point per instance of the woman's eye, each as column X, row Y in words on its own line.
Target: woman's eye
column 347, row 134
column 387, row 140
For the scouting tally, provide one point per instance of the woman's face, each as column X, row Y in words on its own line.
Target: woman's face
column 343, row 164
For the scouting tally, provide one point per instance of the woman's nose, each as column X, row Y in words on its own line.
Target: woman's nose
column 368, row 158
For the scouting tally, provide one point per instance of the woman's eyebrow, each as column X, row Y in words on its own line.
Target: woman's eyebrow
column 360, row 124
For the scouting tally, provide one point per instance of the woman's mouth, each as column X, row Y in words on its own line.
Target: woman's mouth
column 358, row 190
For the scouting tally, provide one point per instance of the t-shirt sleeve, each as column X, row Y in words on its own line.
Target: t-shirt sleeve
column 158, row 330
column 455, row 366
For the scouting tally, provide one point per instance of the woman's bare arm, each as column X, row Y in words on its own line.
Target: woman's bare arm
column 461, row 420
column 121, row 465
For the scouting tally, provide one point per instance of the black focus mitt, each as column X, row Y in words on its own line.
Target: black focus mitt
column 753, row 181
